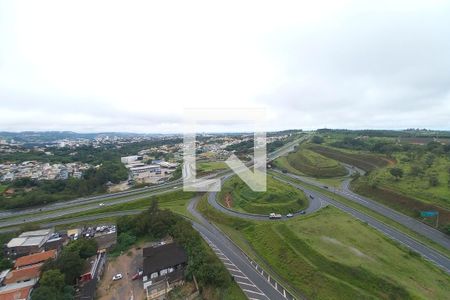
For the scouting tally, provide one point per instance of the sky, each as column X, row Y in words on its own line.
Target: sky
column 138, row 66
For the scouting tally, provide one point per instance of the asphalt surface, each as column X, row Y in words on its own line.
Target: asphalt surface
column 73, row 209
column 427, row 252
column 245, row 272
column 411, row 223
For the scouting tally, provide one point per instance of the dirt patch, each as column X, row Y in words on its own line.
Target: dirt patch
column 228, row 200
column 126, row 264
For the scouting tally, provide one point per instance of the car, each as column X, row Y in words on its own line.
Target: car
column 311, row 196
column 289, row 215
column 325, row 187
column 101, row 204
column 116, row 277
column 302, row 212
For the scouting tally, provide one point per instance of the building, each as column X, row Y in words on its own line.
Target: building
column 163, row 269
column 88, row 280
column 27, row 243
column 16, row 291
column 130, row 159
column 29, row 274
column 33, row 259
column 139, row 173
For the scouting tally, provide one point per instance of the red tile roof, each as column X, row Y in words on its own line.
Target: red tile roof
column 23, row 274
column 34, row 258
column 17, row 294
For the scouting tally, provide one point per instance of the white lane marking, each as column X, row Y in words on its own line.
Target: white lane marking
column 253, row 292
column 244, row 283
column 210, row 243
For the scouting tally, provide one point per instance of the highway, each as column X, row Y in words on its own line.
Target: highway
column 245, row 272
column 411, row 223
column 252, row 279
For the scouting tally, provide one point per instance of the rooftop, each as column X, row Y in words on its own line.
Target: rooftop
column 163, row 257
column 34, row 258
column 36, row 233
column 16, row 294
column 23, row 274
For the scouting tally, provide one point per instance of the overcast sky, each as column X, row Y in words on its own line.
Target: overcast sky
column 134, row 66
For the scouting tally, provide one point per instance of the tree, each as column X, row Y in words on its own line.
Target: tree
column 416, row 170
column 396, row 172
column 53, row 279
column 433, row 180
column 71, row 264
column 317, row 139
column 46, row 293
column 84, row 247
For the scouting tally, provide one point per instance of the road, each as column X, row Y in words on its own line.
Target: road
column 137, row 193
column 244, row 271
column 411, row 223
column 254, row 282
column 427, row 252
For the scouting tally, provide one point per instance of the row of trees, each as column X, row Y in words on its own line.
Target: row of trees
column 156, row 224
column 59, row 276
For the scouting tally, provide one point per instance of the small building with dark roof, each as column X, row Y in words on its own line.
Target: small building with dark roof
column 163, row 269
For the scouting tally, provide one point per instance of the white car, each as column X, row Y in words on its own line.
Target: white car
column 117, row 277
column 101, row 204
column 289, row 215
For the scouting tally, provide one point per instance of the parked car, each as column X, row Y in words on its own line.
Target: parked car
column 325, row 186
column 117, row 277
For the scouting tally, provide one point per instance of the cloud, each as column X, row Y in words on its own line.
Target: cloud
column 110, row 66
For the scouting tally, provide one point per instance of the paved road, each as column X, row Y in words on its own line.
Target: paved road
column 77, row 209
column 245, row 272
column 429, row 253
column 411, row 223
column 73, row 206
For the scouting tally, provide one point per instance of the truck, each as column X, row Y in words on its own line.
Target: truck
column 274, row 216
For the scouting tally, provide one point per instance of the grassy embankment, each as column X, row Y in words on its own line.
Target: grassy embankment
column 307, row 162
column 208, row 167
column 330, row 255
column 279, row 198
column 410, row 194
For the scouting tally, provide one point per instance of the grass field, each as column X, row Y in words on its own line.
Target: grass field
column 279, row 197
column 365, row 161
column 330, row 255
column 410, row 194
column 176, row 201
column 309, row 163
column 207, row 167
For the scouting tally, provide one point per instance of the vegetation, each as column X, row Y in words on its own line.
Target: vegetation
column 52, row 287
column 207, row 167
column 155, row 224
column 364, row 161
column 61, row 274
column 352, row 261
column 30, row 192
column 279, row 197
column 307, row 162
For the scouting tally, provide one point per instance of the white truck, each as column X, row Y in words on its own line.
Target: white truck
column 274, row 216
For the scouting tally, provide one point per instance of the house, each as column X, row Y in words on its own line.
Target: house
column 27, row 243
column 163, row 269
column 29, row 274
column 33, row 259
column 16, row 292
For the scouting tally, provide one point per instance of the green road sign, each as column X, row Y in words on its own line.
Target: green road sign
column 426, row 214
